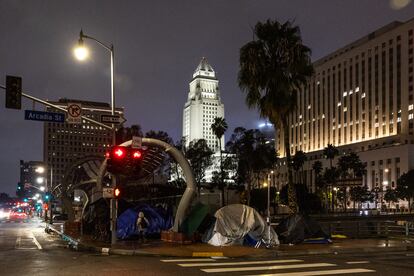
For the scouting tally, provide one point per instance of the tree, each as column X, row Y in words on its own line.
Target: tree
column 317, row 168
column 253, row 155
column 199, row 156
column 390, row 196
column 405, row 187
column 273, row 68
column 350, row 169
column 298, row 161
column 219, row 127
column 126, row 133
column 330, row 152
column 361, row 194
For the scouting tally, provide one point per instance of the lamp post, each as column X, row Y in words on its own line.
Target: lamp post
column 81, row 53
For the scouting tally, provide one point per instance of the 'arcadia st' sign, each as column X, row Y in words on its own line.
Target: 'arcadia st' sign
column 44, row 116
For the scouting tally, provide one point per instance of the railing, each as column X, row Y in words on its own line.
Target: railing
column 370, row 228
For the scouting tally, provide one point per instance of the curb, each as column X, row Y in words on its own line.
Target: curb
column 77, row 245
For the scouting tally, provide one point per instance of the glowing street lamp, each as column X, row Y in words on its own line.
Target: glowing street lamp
column 40, row 180
column 80, row 51
column 42, row 188
column 40, row 170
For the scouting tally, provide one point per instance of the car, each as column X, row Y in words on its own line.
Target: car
column 60, row 217
column 18, row 214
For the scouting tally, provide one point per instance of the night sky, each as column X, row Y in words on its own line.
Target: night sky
column 158, row 44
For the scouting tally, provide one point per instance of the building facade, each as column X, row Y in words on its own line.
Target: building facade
column 66, row 143
column 202, row 106
column 32, row 177
column 360, row 98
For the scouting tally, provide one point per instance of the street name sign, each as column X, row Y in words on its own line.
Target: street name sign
column 44, row 116
column 112, row 119
column 74, row 113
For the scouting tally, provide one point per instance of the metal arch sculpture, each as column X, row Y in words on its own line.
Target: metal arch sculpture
column 69, row 183
column 189, row 192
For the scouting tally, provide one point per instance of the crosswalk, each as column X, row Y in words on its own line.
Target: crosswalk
column 14, row 221
column 276, row 267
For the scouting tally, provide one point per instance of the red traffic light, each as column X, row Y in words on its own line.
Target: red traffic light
column 117, row 192
column 119, row 152
column 136, row 154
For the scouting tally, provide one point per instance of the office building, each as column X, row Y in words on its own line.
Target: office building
column 360, row 99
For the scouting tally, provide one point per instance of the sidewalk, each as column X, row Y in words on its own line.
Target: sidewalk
column 166, row 249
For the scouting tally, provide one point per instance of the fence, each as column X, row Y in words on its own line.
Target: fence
column 370, row 228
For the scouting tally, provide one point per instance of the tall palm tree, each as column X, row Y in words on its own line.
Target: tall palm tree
column 219, row 127
column 273, row 68
column 330, row 152
column 298, row 161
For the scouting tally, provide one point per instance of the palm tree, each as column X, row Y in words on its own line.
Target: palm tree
column 330, row 152
column 219, row 127
column 298, row 161
column 273, row 68
column 317, row 168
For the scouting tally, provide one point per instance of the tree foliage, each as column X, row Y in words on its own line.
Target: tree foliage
column 405, row 187
column 200, row 157
column 273, row 68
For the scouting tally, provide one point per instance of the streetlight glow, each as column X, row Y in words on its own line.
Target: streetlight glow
column 40, row 170
column 81, row 52
column 40, row 180
column 264, row 184
column 42, row 188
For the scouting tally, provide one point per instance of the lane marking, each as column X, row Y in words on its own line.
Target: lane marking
column 36, row 242
column 18, row 241
column 320, row 272
column 188, row 260
column 234, row 269
column 208, row 254
column 358, row 262
column 242, row 263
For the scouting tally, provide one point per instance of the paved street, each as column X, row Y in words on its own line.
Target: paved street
column 25, row 249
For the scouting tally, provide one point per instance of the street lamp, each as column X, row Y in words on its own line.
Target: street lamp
column 40, row 180
column 81, row 54
column 40, row 170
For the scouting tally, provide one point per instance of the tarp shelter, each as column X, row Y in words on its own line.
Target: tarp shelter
column 158, row 218
column 236, row 223
column 297, row 228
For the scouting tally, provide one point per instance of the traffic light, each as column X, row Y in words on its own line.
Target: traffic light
column 13, row 92
column 124, row 160
column 117, row 160
column 136, row 161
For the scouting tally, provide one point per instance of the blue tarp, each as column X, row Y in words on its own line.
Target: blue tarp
column 159, row 219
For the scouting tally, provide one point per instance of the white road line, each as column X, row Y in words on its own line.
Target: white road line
column 242, row 263
column 18, row 240
column 358, row 262
column 36, row 242
column 188, row 260
column 320, row 272
column 234, row 269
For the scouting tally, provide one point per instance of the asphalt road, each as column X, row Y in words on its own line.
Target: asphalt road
column 25, row 249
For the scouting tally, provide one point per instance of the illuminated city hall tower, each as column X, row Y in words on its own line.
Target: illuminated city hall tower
column 202, row 106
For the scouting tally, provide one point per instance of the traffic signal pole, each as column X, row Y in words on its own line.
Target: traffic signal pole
column 60, row 108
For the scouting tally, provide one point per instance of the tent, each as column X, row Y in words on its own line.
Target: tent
column 299, row 228
column 158, row 218
column 236, row 224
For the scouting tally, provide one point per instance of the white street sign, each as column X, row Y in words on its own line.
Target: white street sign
column 136, row 142
column 112, row 119
column 74, row 113
column 107, row 192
